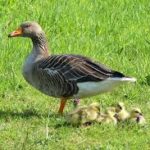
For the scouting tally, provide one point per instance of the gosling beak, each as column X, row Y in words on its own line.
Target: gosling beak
column 15, row 33
column 116, row 116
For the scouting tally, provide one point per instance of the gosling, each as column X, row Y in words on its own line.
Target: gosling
column 108, row 117
column 137, row 116
column 75, row 117
column 84, row 115
column 121, row 113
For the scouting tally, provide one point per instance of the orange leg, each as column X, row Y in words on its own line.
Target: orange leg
column 62, row 105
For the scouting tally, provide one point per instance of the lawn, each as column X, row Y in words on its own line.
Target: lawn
column 113, row 32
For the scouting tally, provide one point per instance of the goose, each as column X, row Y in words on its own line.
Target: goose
column 121, row 113
column 64, row 76
column 108, row 117
column 137, row 116
column 91, row 113
column 76, row 117
column 84, row 115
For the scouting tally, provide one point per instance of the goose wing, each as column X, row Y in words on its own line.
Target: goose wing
column 78, row 68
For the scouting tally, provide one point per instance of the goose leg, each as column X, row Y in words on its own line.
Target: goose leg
column 62, row 105
column 76, row 102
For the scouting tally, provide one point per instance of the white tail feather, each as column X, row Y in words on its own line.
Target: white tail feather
column 93, row 88
column 126, row 79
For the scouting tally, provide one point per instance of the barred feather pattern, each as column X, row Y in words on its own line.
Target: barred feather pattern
column 52, row 83
column 58, row 75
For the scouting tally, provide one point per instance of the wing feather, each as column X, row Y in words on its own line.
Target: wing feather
column 78, row 68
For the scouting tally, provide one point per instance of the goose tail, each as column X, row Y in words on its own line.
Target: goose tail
column 124, row 79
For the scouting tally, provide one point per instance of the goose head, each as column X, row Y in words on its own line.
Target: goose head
column 28, row 29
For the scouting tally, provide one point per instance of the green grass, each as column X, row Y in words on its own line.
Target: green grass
column 114, row 32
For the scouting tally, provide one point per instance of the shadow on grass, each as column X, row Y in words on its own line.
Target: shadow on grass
column 62, row 125
column 65, row 124
column 28, row 113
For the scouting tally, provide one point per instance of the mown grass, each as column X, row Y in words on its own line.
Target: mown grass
column 115, row 33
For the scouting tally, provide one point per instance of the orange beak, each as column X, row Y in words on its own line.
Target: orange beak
column 15, row 33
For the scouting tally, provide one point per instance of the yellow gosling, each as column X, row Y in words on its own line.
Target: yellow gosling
column 84, row 115
column 90, row 113
column 108, row 117
column 137, row 116
column 121, row 113
column 75, row 117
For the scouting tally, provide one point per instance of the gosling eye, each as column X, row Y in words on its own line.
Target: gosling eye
column 136, row 112
column 27, row 26
column 119, row 107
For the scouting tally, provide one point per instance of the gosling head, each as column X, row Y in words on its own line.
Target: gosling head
column 136, row 112
column 120, row 106
column 95, row 106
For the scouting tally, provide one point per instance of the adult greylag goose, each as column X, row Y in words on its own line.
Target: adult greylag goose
column 64, row 76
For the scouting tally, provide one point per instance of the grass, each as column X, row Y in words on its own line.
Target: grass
column 115, row 33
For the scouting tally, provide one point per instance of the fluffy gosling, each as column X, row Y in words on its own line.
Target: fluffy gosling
column 75, row 117
column 108, row 117
column 121, row 113
column 84, row 115
column 90, row 113
column 137, row 116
